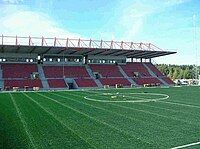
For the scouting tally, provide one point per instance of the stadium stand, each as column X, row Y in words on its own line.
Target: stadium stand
column 18, row 70
column 114, row 81
column 85, row 82
column 106, row 70
column 76, row 63
column 67, row 71
column 142, row 81
column 168, row 80
column 154, row 69
column 20, row 75
column 131, row 69
column 22, row 83
column 57, row 83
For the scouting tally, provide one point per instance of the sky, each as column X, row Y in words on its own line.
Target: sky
column 169, row 24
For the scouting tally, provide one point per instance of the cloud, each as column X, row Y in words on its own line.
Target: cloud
column 31, row 23
column 133, row 17
column 12, row 1
column 175, row 2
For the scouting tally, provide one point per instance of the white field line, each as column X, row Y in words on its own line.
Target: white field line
column 98, row 121
column 150, row 106
column 57, row 119
column 134, row 119
column 23, row 121
column 181, row 104
column 112, row 103
column 165, row 96
column 187, row 145
column 128, row 117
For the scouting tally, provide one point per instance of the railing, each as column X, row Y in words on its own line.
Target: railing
column 75, row 43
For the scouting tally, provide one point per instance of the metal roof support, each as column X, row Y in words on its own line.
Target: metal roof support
column 113, row 52
column 100, row 47
column 33, row 50
column 2, row 39
column 67, row 41
column 149, row 46
column 122, row 47
column 16, row 42
column 143, row 53
column 42, row 41
column 140, row 46
column 47, row 50
column 98, row 53
column 101, row 44
column 62, row 50
column 73, row 52
column 133, row 52
column 90, row 43
column 123, row 52
column 87, row 52
column 79, row 42
column 54, row 42
column 161, row 54
column 152, row 54
column 29, row 40
column 111, row 45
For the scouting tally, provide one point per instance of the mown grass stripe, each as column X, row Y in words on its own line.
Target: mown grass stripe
column 112, row 112
column 23, row 121
column 94, row 119
column 78, row 95
column 181, row 104
column 115, row 113
column 144, row 111
column 57, row 119
column 171, row 110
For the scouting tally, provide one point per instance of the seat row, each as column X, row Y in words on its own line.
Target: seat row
column 20, row 75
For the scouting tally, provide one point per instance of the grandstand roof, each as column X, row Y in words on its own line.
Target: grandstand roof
column 36, row 45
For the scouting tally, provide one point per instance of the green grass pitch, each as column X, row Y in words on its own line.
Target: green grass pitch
column 113, row 118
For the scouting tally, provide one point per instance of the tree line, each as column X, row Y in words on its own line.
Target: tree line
column 179, row 71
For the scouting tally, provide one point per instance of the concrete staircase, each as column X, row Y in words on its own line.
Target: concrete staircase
column 125, row 76
column 70, row 80
column 154, row 75
column 89, row 70
column 1, row 79
column 45, row 83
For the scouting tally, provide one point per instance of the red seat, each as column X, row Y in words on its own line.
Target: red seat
column 106, row 70
column 67, row 71
column 85, row 82
column 168, row 80
column 142, row 81
column 57, row 83
column 18, row 70
column 114, row 81
column 154, row 69
column 23, row 83
column 130, row 68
